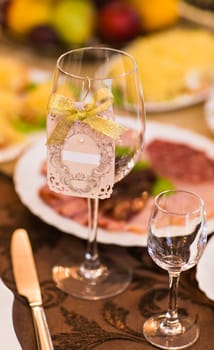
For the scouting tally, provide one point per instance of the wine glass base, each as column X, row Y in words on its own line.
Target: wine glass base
column 183, row 336
column 113, row 280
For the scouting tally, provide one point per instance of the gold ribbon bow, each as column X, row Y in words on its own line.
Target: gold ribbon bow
column 89, row 114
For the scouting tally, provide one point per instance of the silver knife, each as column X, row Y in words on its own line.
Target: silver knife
column 27, row 283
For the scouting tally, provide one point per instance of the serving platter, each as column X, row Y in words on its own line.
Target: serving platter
column 179, row 102
column 196, row 15
column 28, row 180
column 205, row 270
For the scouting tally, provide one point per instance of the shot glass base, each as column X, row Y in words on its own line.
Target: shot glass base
column 156, row 334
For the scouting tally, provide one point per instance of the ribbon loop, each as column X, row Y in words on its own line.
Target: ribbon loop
column 89, row 113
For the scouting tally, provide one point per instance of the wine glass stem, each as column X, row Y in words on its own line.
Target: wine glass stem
column 172, row 313
column 92, row 261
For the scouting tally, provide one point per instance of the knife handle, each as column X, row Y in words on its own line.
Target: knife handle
column 43, row 337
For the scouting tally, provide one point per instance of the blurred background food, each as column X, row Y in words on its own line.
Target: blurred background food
column 23, row 101
column 175, row 57
column 14, row 76
column 184, row 71
column 73, row 23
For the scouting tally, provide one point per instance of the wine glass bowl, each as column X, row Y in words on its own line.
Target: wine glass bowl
column 95, row 133
column 176, row 241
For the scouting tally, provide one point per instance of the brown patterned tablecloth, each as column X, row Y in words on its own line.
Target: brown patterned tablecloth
column 75, row 324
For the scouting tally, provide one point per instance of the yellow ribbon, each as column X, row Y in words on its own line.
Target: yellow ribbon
column 89, row 114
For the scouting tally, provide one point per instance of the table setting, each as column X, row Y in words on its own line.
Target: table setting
column 116, row 321
column 106, row 179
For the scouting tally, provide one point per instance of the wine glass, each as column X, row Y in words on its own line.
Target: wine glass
column 176, row 240
column 95, row 133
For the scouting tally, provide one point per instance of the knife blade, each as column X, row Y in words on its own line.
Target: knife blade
column 27, row 283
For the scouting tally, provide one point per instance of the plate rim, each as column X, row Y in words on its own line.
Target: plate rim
column 196, row 14
column 181, row 102
column 200, row 276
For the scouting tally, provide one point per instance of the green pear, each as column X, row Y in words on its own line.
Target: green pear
column 74, row 20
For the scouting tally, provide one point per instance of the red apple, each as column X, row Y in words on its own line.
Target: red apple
column 118, row 22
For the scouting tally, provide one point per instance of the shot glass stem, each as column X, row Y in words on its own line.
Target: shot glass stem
column 173, row 293
column 172, row 323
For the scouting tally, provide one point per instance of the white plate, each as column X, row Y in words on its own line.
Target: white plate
column 209, row 111
column 182, row 101
column 205, row 270
column 10, row 153
column 8, row 338
column 196, row 14
column 28, row 179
